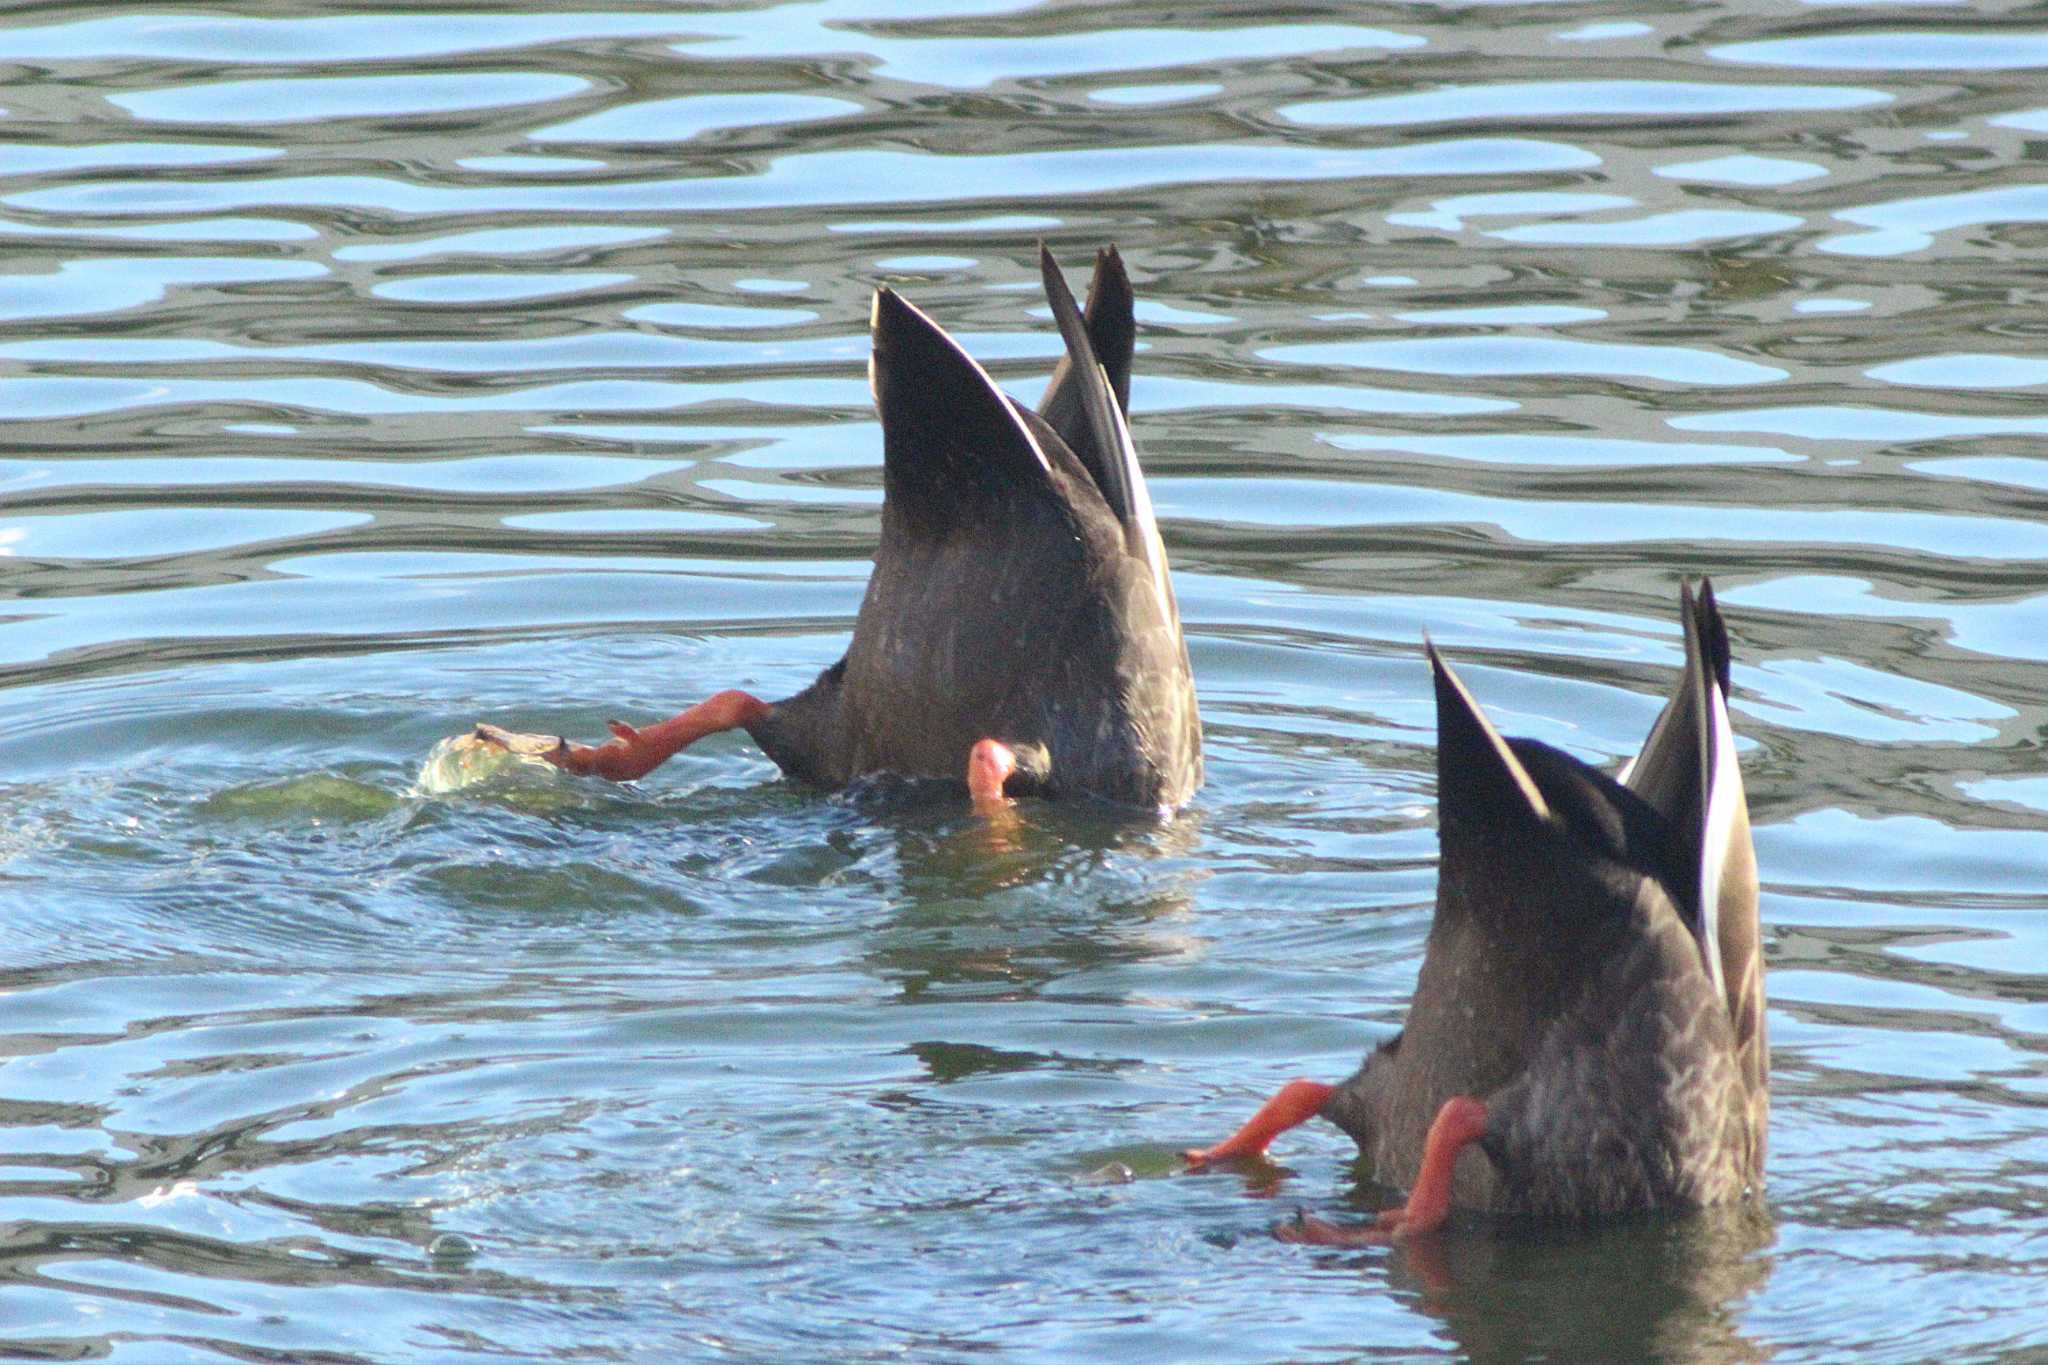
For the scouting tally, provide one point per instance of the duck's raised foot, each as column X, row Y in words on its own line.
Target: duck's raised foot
column 1295, row 1103
column 525, row 745
column 634, row 752
column 621, row 760
column 518, row 742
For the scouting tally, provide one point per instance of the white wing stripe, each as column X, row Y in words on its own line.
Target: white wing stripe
column 1723, row 794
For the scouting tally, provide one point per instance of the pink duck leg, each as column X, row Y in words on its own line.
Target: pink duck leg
column 1296, row 1103
column 635, row 753
column 1462, row 1120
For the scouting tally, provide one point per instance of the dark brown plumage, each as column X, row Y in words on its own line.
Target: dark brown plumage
column 1019, row 627
column 1590, row 1010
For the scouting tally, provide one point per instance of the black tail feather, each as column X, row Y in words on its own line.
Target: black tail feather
column 1480, row 784
column 1081, row 405
column 949, row 436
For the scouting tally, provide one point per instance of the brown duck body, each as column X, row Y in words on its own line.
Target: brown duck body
column 1020, row 589
column 1593, row 974
column 1019, row 627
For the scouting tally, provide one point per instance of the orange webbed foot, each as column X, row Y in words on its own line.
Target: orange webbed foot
column 989, row 765
column 1392, row 1227
column 518, row 742
column 1305, row 1229
column 549, row 747
column 1461, row 1120
column 1425, row 1252
column 627, row 756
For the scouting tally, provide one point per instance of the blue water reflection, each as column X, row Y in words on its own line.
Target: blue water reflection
column 368, row 375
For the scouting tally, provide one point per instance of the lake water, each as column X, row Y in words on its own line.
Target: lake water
column 365, row 375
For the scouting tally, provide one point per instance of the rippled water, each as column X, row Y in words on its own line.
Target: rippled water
column 367, row 374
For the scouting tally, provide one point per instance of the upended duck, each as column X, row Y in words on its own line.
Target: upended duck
column 1590, row 1012
column 1019, row 629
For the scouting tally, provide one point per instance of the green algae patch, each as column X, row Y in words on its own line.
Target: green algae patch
column 313, row 796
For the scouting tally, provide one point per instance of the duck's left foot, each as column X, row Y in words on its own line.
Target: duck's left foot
column 624, row 758
column 632, row 752
column 1296, row 1102
column 517, row 742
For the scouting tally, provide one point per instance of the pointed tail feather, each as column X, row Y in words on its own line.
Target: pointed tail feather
column 1688, row 770
column 1112, row 322
column 1085, row 406
column 1093, row 429
column 1111, row 317
column 1731, row 853
column 1480, row 784
column 950, row 438
column 1706, row 613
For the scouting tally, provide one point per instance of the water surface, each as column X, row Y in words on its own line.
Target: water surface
column 363, row 375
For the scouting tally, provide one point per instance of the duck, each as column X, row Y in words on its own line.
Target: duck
column 1587, row 1034
column 1019, row 630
